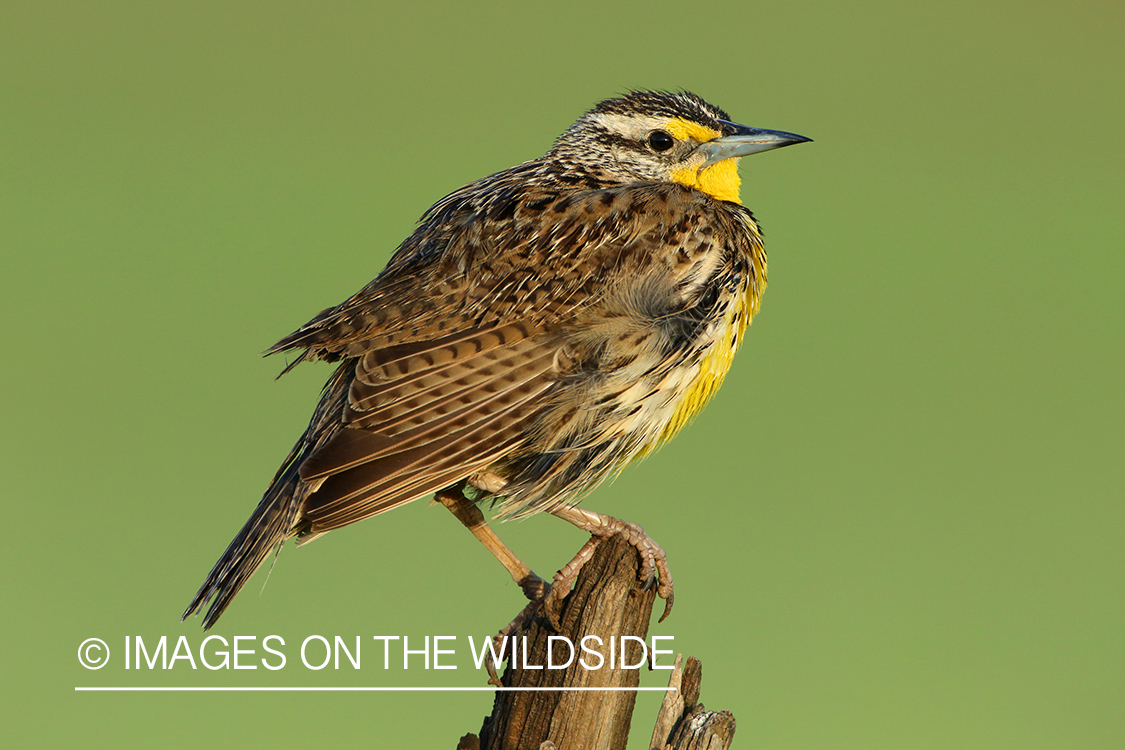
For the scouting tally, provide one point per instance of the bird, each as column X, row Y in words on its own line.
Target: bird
column 540, row 329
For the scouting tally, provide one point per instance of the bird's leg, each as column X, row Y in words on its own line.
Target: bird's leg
column 466, row 511
column 654, row 563
column 534, row 587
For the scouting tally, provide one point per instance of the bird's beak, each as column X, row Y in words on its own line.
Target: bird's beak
column 740, row 140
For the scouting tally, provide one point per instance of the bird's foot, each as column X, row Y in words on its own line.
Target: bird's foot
column 546, row 598
column 534, row 587
column 525, row 616
column 654, row 562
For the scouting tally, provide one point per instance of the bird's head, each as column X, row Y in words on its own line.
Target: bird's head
column 654, row 136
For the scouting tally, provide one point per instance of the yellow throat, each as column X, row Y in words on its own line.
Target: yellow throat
column 720, row 181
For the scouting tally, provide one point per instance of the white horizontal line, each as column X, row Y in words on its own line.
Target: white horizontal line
column 185, row 689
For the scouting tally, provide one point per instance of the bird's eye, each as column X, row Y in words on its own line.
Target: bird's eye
column 659, row 140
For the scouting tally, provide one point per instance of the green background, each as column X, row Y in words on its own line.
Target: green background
column 898, row 525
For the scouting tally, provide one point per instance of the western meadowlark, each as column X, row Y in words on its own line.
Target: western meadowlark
column 540, row 329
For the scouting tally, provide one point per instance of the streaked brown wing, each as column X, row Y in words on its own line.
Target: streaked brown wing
column 419, row 418
column 543, row 256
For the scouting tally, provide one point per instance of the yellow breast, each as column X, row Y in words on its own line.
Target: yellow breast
column 714, row 365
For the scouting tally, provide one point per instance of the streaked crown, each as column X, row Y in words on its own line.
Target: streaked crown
column 642, row 136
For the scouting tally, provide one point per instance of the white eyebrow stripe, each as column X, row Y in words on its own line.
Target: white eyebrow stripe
column 630, row 126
